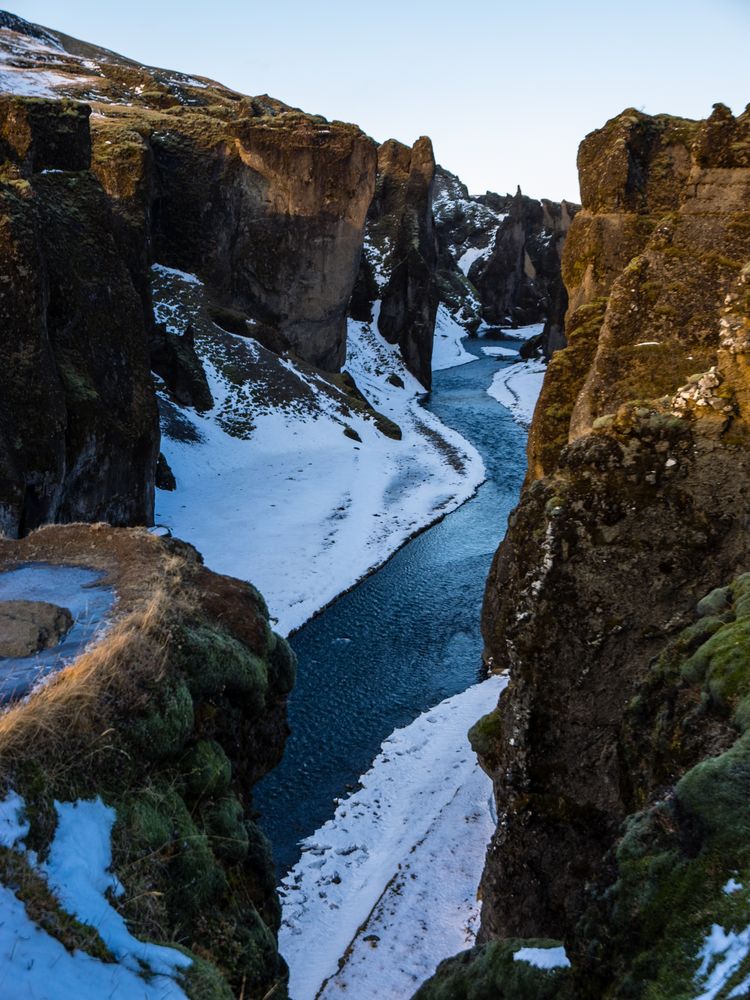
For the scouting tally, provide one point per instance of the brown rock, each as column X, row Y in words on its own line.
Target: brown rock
column 26, row 627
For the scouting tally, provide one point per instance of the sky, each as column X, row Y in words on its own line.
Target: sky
column 506, row 91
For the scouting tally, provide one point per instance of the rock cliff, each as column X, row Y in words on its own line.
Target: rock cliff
column 400, row 254
column 266, row 204
column 625, row 703
column 499, row 259
column 169, row 718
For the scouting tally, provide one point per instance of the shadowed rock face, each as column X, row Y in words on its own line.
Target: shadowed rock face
column 634, row 508
column 78, row 423
column 399, row 262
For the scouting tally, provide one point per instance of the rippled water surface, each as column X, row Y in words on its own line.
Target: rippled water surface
column 405, row 637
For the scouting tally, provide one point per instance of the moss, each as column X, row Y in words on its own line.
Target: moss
column 282, row 665
column 206, row 769
column 224, row 823
column 203, row 981
column 165, row 729
column 215, row 661
column 486, row 737
column 490, row 972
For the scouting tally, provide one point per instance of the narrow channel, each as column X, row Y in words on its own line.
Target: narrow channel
column 404, row 638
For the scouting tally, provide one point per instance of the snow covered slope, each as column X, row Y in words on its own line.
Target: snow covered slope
column 386, row 889
column 292, row 480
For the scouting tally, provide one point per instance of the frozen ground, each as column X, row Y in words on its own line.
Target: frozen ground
column 269, row 486
column 386, row 889
column 517, row 387
column 71, row 587
column 35, row 965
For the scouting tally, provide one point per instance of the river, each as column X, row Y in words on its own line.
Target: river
column 405, row 637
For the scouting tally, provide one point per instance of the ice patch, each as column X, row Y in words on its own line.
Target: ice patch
column 500, row 352
column 721, row 956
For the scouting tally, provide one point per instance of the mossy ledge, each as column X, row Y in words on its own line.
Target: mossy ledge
column 170, row 718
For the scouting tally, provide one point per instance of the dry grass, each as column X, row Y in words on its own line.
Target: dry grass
column 74, row 713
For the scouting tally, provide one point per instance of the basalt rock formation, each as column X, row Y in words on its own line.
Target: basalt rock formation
column 78, row 423
column 169, row 718
column 400, row 254
column 619, row 751
column 507, row 249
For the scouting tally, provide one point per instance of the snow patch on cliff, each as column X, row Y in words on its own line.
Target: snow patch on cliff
column 386, row 889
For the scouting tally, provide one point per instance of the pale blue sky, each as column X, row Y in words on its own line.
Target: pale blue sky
column 505, row 90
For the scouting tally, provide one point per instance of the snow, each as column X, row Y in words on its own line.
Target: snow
column 238, row 496
column 388, row 885
column 523, row 332
column 500, row 352
column 517, row 387
column 543, row 958
column 448, row 350
column 721, row 956
column 72, row 587
column 78, row 872
column 468, row 257
column 33, row 963
column 12, row 828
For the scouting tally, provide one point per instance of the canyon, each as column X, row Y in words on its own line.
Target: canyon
column 223, row 317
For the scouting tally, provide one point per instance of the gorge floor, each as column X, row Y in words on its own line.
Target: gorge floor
column 401, row 641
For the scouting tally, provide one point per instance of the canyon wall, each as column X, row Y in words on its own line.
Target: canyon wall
column 617, row 599
column 499, row 259
column 400, row 254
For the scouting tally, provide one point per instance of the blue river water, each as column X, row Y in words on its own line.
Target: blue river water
column 404, row 638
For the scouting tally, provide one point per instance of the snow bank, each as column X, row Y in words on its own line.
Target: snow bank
column 388, row 885
column 33, row 963
column 517, row 387
column 448, row 350
column 288, row 500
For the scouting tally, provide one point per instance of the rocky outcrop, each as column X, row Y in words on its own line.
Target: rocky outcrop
column 619, row 705
column 170, row 718
column 400, row 254
column 507, row 249
column 29, row 626
column 78, row 423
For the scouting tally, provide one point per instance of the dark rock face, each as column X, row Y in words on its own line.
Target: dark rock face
column 639, row 464
column 500, row 259
column 398, row 265
column 281, row 202
column 174, row 358
column 78, row 423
